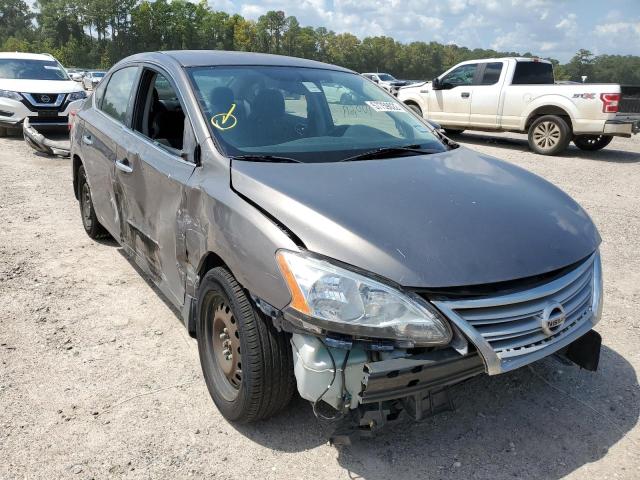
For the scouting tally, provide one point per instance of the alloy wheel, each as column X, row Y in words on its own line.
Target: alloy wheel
column 546, row 135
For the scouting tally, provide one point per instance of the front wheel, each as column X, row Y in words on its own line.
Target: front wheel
column 549, row 135
column 247, row 364
column 415, row 108
column 592, row 142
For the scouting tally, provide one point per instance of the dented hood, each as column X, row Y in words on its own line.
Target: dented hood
column 451, row 219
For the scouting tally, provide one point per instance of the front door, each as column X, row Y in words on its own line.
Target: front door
column 451, row 106
column 152, row 171
column 485, row 97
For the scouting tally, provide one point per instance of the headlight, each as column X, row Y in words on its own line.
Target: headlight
column 10, row 94
column 77, row 96
column 339, row 300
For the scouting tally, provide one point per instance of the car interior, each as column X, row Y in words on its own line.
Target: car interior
column 158, row 114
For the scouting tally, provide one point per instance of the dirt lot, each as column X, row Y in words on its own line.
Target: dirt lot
column 99, row 379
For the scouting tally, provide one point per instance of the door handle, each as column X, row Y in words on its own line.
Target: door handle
column 124, row 166
column 87, row 140
column 465, row 94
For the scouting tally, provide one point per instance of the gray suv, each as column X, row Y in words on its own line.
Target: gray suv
column 333, row 244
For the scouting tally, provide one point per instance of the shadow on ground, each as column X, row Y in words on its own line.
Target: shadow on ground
column 608, row 154
column 541, row 422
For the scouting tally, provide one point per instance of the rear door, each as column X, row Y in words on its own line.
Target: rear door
column 152, row 170
column 102, row 127
column 452, row 104
column 486, row 94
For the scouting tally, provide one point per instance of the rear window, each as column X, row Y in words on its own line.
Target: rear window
column 533, row 73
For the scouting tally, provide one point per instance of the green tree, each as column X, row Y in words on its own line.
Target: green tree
column 15, row 19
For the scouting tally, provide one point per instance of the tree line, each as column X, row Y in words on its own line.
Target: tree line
column 98, row 33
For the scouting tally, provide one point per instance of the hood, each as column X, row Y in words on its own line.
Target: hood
column 39, row 86
column 452, row 219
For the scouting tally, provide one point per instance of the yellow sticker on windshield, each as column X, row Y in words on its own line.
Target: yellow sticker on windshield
column 225, row 121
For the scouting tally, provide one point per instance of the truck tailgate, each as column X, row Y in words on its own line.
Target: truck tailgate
column 629, row 99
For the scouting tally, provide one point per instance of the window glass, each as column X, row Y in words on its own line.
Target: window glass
column 307, row 114
column 533, row 73
column 492, row 73
column 21, row 69
column 462, row 75
column 159, row 114
column 117, row 95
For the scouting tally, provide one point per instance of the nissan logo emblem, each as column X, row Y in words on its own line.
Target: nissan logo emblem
column 553, row 316
column 45, row 98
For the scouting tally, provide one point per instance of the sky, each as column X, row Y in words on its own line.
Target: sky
column 549, row 28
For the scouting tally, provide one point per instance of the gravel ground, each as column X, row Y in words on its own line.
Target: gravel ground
column 99, row 379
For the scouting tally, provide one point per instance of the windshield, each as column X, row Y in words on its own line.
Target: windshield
column 305, row 114
column 385, row 77
column 20, row 69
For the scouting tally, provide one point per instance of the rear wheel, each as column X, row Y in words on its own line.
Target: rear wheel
column 549, row 135
column 90, row 222
column 453, row 131
column 592, row 142
column 247, row 364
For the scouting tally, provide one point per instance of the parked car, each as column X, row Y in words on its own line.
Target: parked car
column 386, row 81
column 76, row 74
column 91, row 79
column 34, row 86
column 350, row 251
column 519, row 95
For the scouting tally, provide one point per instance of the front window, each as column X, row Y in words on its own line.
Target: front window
column 461, row 76
column 305, row 114
column 21, row 69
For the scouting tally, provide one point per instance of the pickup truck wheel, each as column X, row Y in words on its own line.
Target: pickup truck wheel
column 90, row 221
column 549, row 135
column 592, row 142
column 453, row 131
column 247, row 364
column 415, row 108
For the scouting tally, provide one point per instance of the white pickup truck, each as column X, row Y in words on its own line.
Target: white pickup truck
column 520, row 95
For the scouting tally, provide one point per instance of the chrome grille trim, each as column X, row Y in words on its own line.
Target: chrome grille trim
column 506, row 329
column 59, row 98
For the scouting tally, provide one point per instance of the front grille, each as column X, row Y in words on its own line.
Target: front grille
column 508, row 330
column 45, row 99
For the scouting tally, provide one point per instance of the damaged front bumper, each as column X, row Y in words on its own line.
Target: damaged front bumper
column 42, row 144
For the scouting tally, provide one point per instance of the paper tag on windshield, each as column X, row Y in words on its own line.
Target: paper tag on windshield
column 51, row 67
column 312, row 87
column 385, row 106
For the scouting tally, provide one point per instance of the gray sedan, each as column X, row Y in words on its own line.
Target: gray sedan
column 333, row 244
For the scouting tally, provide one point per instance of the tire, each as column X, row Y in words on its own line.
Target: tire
column 415, row 108
column 549, row 135
column 90, row 221
column 591, row 143
column 3, row 132
column 247, row 364
column 453, row 131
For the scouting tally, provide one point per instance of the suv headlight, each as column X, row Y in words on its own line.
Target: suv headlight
column 10, row 94
column 339, row 300
column 77, row 96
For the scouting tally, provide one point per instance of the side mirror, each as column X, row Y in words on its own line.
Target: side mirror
column 375, row 80
column 436, row 84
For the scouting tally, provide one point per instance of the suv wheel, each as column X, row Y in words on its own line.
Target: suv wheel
column 247, row 364
column 592, row 142
column 549, row 135
column 90, row 221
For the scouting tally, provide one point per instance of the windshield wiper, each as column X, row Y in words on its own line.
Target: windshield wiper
column 265, row 158
column 389, row 152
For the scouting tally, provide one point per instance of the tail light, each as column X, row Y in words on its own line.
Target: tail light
column 610, row 102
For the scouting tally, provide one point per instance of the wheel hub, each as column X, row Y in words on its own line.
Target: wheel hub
column 546, row 135
column 226, row 344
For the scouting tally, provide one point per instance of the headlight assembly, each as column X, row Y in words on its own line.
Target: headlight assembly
column 339, row 300
column 10, row 94
column 77, row 96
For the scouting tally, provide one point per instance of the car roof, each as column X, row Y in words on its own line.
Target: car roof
column 202, row 58
column 27, row 56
